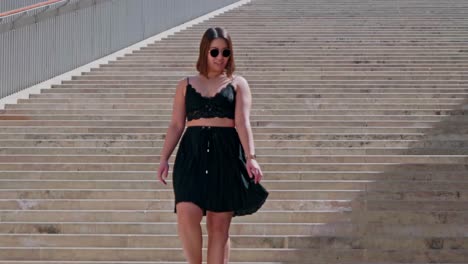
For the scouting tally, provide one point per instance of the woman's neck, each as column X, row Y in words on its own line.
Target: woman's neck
column 215, row 75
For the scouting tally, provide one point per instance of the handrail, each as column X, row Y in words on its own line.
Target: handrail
column 26, row 8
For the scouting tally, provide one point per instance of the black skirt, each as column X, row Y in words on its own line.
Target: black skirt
column 210, row 171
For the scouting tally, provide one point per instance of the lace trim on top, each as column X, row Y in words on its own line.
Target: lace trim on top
column 222, row 104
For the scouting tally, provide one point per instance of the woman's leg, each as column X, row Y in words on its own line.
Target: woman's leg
column 189, row 216
column 227, row 249
column 217, row 225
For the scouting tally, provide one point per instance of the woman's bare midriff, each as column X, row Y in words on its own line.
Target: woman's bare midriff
column 215, row 121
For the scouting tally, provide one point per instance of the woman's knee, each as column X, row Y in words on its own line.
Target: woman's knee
column 189, row 213
column 218, row 223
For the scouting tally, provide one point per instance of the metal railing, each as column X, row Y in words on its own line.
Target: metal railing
column 40, row 43
column 7, row 5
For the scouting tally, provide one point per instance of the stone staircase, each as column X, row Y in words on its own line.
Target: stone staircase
column 359, row 119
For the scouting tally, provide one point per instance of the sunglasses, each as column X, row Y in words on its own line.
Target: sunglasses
column 215, row 52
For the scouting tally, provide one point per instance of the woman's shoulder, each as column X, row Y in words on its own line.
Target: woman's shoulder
column 238, row 81
column 183, row 82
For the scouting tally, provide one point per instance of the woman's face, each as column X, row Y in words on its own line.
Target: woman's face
column 219, row 48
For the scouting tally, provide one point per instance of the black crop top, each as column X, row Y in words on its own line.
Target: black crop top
column 221, row 105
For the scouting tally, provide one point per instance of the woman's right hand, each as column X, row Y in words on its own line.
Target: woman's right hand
column 163, row 170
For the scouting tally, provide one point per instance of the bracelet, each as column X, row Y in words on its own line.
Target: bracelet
column 251, row 156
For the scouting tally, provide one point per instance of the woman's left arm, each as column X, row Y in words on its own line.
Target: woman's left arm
column 242, row 121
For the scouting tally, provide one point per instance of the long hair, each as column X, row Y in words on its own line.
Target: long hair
column 209, row 35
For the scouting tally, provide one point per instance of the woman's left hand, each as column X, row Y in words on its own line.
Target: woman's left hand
column 254, row 170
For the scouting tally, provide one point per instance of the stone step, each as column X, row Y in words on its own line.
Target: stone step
column 257, row 123
column 142, row 241
column 258, row 136
column 168, row 204
column 357, row 66
column 398, row 195
column 285, row 63
column 119, row 262
column 285, row 76
column 107, row 151
column 134, row 113
column 164, row 194
column 265, row 166
column 283, row 144
column 331, row 48
column 256, row 106
column 168, row 255
column 151, row 216
column 430, row 236
column 253, row 118
column 325, row 89
column 267, row 158
column 126, row 262
column 413, row 175
column 259, row 143
column 170, row 228
column 269, row 184
column 239, row 254
column 415, row 217
column 279, row 96
column 163, row 129
column 259, row 81
column 417, row 206
column 237, row 241
column 275, row 205
column 283, row 72
column 276, row 61
column 296, row 51
column 277, row 184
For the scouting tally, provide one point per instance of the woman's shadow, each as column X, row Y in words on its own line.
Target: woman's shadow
column 413, row 211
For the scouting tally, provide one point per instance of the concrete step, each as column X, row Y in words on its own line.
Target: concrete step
column 289, row 72
column 262, row 96
column 285, row 76
column 277, row 184
column 256, row 81
column 256, row 106
column 399, row 195
column 325, row 89
column 261, row 143
column 168, row 204
column 145, row 254
column 416, row 217
column 293, row 112
column 170, row 228
column 163, row 129
column 237, row 241
column 162, row 194
column 151, row 216
column 413, row 175
column 267, row 158
column 164, row 204
column 348, row 151
column 263, row 123
column 241, row 254
column 266, row 166
column 258, row 136
column 253, row 118
column 361, row 66
column 154, row 184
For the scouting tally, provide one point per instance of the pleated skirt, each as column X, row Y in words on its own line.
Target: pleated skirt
column 210, row 171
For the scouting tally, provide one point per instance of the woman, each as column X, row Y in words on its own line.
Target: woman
column 212, row 176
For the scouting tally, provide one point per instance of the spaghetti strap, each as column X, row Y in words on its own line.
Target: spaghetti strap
column 188, row 81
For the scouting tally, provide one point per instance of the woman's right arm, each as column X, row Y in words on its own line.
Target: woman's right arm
column 174, row 131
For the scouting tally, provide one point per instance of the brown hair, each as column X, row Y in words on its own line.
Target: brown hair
column 209, row 35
